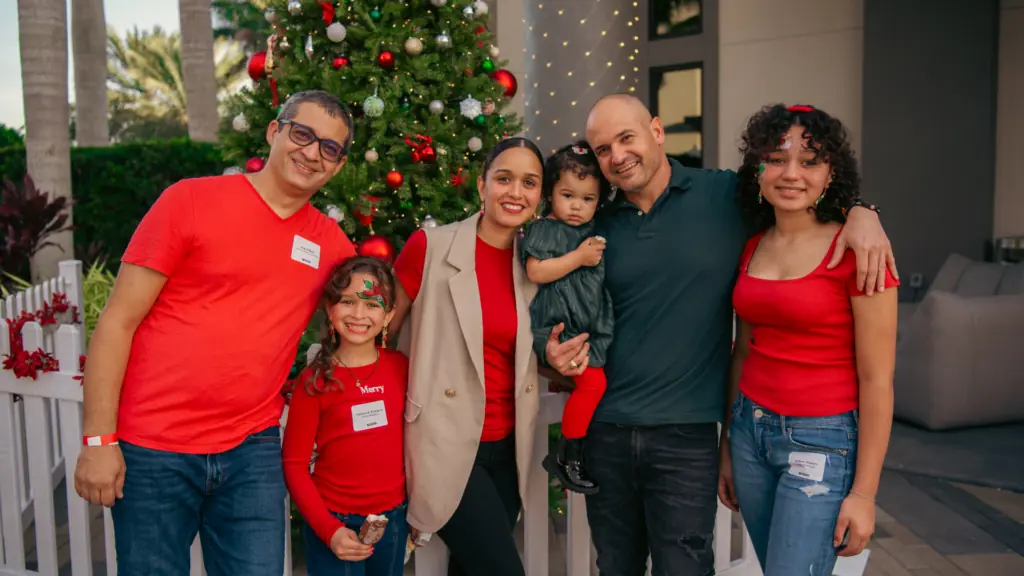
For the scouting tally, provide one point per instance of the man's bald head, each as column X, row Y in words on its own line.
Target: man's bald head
column 628, row 141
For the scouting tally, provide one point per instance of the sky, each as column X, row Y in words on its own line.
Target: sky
column 122, row 15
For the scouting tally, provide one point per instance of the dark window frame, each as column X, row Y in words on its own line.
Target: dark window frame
column 652, row 24
column 655, row 73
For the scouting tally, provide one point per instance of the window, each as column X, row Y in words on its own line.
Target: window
column 670, row 18
column 677, row 94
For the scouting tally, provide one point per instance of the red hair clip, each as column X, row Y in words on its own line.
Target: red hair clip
column 800, row 108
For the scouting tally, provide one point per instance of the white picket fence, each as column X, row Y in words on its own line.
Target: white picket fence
column 40, row 439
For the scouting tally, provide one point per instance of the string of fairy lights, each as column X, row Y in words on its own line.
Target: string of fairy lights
column 611, row 35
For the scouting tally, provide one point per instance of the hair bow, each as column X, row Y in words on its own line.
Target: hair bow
column 800, row 108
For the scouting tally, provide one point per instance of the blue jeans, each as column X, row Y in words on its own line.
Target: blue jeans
column 791, row 476
column 388, row 558
column 234, row 500
column 659, row 487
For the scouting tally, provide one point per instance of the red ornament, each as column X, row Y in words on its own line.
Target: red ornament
column 340, row 62
column 258, row 66
column 394, row 179
column 378, row 247
column 428, row 154
column 386, row 59
column 254, row 164
column 421, row 150
column 328, row 10
column 507, row 80
column 479, row 30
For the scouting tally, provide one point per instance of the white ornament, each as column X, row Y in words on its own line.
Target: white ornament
column 413, row 46
column 475, row 144
column 444, row 41
column 309, row 47
column 284, row 44
column 428, row 222
column 336, row 32
column 271, row 15
column 335, row 213
column 373, row 106
column 442, row 151
column 371, row 156
column 468, row 13
column 494, row 51
column 481, row 7
column 240, row 124
column 294, row 7
column 436, row 107
column 231, row 170
column 470, row 108
column 438, row 3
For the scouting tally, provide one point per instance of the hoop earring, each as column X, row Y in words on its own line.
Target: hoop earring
column 384, row 337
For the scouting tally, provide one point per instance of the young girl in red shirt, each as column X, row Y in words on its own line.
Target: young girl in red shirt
column 349, row 402
column 814, row 356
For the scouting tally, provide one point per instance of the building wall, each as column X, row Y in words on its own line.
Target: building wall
column 508, row 24
column 929, row 127
column 788, row 51
column 1008, row 219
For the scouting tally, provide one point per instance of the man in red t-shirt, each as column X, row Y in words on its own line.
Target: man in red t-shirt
column 183, row 385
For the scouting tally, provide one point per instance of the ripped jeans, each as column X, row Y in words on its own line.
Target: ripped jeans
column 791, row 476
column 658, row 497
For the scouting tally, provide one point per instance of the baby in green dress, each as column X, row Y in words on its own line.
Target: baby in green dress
column 564, row 257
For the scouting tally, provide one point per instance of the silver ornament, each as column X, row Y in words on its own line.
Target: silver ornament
column 428, row 222
column 475, row 144
column 336, row 32
column 309, row 47
column 371, row 156
column 438, row 3
column 436, row 107
column 271, row 15
column 413, row 46
column 334, row 213
column 240, row 123
column 442, row 151
column 481, row 7
column 494, row 51
column 284, row 44
column 294, row 7
column 444, row 41
column 373, row 106
column 468, row 13
column 230, row 170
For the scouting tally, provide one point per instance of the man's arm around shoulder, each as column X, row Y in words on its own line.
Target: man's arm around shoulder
column 99, row 476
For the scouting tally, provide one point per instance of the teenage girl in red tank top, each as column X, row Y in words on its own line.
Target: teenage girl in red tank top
column 814, row 356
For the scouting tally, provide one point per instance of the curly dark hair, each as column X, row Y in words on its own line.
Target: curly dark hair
column 579, row 159
column 827, row 137
column 320, row 375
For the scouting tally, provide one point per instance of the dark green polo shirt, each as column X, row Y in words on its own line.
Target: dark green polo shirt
column 670, row 274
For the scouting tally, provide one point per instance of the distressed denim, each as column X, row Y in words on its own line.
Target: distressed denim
column 791, row 476
column 388, row 558
column 234, row 500
column 658, row 496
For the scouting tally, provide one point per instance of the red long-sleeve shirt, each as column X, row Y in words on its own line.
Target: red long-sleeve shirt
column 360, row 463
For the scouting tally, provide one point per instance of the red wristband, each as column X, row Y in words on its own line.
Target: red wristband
column 104, row 440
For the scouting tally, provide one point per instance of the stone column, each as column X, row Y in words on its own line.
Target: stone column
column 577, row 52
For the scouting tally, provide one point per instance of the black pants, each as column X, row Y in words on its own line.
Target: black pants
column 479, row 534
column 659, row 487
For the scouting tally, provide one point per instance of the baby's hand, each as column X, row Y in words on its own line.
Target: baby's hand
column 591, row 251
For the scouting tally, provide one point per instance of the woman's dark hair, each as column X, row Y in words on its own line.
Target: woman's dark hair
column 827, row 138
column 320, row 378
column 580, row 160
column 513, row 142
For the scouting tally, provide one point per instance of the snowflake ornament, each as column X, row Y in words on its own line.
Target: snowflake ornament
column 470, row 108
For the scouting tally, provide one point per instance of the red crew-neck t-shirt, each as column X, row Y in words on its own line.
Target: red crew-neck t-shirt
column 802, row 360
column 208, row 362
column 500, row 324
column 358, row 431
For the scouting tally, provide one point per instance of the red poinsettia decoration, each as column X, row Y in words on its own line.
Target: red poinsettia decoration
column 26, row 364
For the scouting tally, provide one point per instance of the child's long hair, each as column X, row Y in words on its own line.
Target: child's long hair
column 320, row 375
column 580, row 160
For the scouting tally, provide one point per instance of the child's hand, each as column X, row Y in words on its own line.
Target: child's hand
column 591, row 251
column 346, row 546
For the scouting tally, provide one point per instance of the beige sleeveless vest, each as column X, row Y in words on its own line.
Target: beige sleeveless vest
column 444, row 410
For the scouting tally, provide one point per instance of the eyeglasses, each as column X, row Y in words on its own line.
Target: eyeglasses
column 303, row 135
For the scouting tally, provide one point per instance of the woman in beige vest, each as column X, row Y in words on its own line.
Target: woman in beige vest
column 473, row 395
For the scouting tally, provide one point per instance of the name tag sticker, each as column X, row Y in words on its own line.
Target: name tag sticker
column 369, row 415
column 809, row 465
column 306, row 252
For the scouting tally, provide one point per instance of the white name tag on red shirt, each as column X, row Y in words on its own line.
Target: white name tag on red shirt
column 306, row 252
column 368, row 416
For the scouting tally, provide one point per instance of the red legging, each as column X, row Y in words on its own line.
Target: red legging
column 582, row 402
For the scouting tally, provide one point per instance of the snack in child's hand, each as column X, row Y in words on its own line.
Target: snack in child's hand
column 372, row 529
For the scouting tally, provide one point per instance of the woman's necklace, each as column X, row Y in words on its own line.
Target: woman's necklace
column 353, row 375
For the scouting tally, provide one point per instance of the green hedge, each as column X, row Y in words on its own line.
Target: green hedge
column 114, row 186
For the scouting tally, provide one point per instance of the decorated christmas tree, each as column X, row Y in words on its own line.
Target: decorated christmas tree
column 425, row 88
